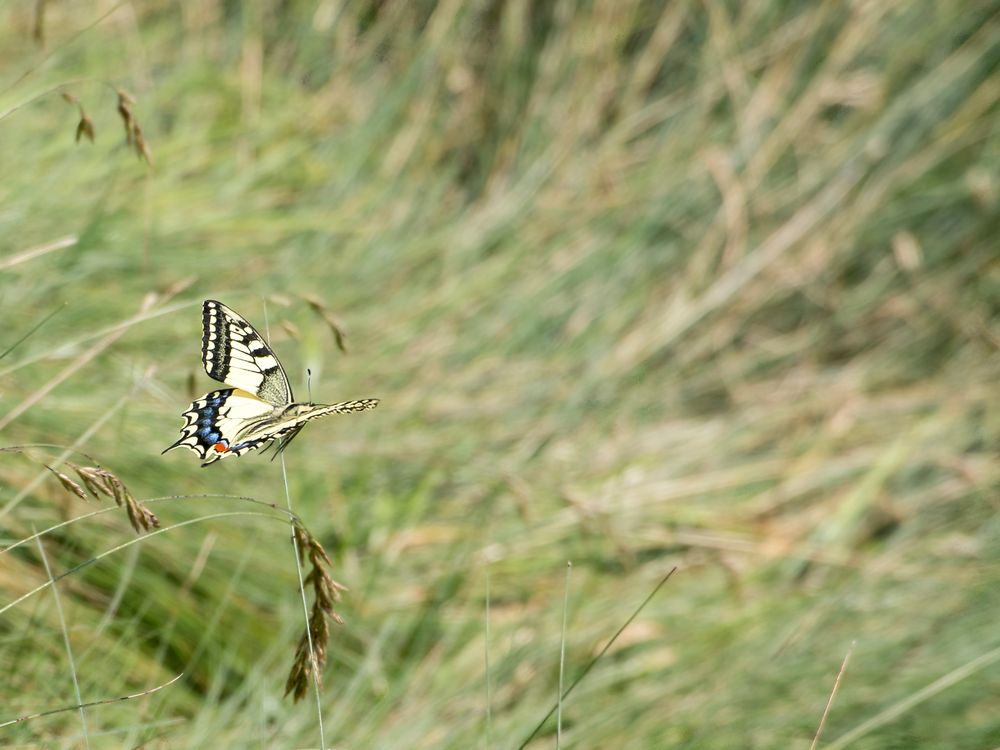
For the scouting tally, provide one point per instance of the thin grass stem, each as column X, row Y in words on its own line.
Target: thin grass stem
column 302, row 585
column 80, row 361
column 129, row 543
column 34, row 329
column 105, row 416
column 911, row 701
column 292, row 518
column 69, row 647
column 103, row 702
column 57, row 49
column 486, row 657
column 833, row 693
column 305, row 614
column 562, row 657
column 597, row 658
column 87, row 338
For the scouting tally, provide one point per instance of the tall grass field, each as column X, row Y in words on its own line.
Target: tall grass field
column 642, row 286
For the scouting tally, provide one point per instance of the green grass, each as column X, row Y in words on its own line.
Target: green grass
column 639, row 284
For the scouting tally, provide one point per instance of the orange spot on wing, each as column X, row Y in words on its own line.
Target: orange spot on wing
column 220, row 447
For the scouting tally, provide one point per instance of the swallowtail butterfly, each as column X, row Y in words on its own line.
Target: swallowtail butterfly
column 259, row 407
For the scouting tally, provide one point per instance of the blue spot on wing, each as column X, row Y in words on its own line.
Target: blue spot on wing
column 209, row 435
column 207, row 431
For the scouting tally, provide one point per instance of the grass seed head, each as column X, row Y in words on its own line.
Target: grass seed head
column 85, row 128
column 68, row 483
column 326, row 592
column 100, row 482
column 133, row 130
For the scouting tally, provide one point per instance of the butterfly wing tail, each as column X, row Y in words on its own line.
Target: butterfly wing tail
column 174, row 445
column 193, row 437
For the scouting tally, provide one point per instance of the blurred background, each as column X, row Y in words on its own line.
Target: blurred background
column 640, row 284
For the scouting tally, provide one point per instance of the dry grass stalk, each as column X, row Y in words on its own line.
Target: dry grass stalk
column 77, row 707
column 85, row 127
column 100, row 481
column 38, row 30
column 68, row 483
column 320, row 307
column 134, row 136
column 326, row 593
column 133, row 131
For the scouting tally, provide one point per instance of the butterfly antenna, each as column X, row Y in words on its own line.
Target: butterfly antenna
column 309, row 383
column 267, row 323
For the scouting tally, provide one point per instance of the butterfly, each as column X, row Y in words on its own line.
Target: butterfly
column 259, row 407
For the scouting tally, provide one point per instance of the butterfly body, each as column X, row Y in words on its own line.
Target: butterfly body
column 259, row 408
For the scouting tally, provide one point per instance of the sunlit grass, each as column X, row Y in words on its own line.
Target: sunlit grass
column 639, row 285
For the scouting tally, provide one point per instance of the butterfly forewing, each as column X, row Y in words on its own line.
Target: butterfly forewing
column 235, row 354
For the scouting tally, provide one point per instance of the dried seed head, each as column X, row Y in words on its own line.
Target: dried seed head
column 133, row 131
column 326, row 592
column 336, row 327
column 317, row 554
column 93, row 480
column 85, row 128
column 141, row 518
column 38, row 32
column 291, row 329
column 100, row 481
column 68, row 483
column 303, row 669
column 301, row 541
column 141, row 147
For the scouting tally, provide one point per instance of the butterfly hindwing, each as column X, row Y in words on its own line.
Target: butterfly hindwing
column 235, row 354
column 213, row 424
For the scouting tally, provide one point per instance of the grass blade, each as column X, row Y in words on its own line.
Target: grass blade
column 597, row 658
column 833, row 693
column 562, row 657
column 69, row 647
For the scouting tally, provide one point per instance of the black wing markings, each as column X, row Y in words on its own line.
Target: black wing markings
column 234, row 353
